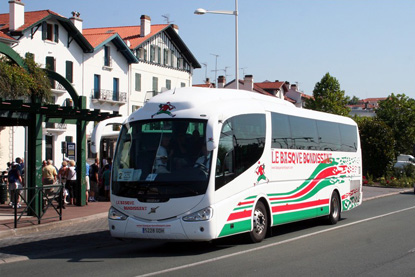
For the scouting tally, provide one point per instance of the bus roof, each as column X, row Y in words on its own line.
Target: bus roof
column 203, row 103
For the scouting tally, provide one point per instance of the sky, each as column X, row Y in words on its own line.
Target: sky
column 367, row 45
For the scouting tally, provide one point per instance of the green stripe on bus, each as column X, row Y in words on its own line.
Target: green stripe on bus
column 300, row 215
column 318, row 169
column 243, row 208
column 236, row 227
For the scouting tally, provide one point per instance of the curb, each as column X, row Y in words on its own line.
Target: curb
column 388, row 194
column 49, row 226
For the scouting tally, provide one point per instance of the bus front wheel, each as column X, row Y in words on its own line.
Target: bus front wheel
column 335, row 209
column 259, row 222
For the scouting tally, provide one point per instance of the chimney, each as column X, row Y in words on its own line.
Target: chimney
column 175, row 27
column 221, row 81
column 145, row 25
column 16, row 16
column 76, row 20
column 294, row 87
column 249, row 82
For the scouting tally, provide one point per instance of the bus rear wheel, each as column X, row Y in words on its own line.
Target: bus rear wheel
column 335, row 209
column 259, row 222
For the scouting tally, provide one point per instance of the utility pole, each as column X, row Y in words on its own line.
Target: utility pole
column 216, row 69
column 205, row 65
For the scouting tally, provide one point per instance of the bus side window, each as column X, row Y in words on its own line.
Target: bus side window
column 241, row 145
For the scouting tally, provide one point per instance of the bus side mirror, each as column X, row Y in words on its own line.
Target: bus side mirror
column 212, row 137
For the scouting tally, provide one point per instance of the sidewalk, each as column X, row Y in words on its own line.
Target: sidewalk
column 94, row 210
column 29, row 224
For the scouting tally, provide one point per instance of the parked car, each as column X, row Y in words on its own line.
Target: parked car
column 404, row 160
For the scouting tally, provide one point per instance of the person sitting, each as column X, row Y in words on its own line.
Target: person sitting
column 162, row 155
column 203, row 162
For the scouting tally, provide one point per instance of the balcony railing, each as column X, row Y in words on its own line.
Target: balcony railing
column 60, row 126
column 104, row 95
column 55, row 128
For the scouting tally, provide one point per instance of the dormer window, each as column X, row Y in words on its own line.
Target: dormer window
column 107, row 56
column 50, row 32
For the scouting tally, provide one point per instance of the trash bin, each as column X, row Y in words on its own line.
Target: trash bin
column 3, row 193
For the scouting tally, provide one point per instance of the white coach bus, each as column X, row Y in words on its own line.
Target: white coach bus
column 200, row 164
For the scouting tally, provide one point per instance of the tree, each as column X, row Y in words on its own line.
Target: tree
column 398, row 112
column 17, row 83
column 353, row 101
column 377, row 143
column 328, row 97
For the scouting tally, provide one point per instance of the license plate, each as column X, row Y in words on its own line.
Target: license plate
column 153, row 230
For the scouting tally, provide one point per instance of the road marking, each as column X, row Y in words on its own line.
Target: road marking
column 271, row 245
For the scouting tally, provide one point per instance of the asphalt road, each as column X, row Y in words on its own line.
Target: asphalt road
column 375, row 239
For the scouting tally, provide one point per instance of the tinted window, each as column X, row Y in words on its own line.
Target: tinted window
column 241, row 145
column 281, row 132
column 329, row 136
column 304, row 133
column 348, row 137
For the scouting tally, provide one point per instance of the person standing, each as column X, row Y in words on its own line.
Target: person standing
column 49, row 175
column 71, row 181
column 93, row 179
column 88, row 187
column 15, row 184
column 106, row 176
column 62, row 176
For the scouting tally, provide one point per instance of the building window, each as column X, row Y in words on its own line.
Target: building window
column 152, row 53
column 69, row 71
column 115, row 89
column 107, row 56
column 141, row 54
column 50, row 64
column 158, row 55
column 182, row 85
column 180, row 63
column 97, row 86
column 168, row 84
column 166, row 57
column 137, row 82
column 134, row 108
column 50, row 32
column 155, row 85
column 172, row 58
column 145, row 55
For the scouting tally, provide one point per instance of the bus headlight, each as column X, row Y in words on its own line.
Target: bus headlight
column 116, row 214
column 202, row 215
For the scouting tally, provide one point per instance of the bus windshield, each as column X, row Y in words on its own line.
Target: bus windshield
column 157, row 160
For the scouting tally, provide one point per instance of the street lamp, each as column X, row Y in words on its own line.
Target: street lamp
column 235, row 13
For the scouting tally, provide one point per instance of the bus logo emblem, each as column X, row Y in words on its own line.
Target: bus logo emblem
column 165, row 109
column 153, row 210
column 260, row 171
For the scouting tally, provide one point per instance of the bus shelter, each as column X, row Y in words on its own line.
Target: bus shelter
column 33, row 114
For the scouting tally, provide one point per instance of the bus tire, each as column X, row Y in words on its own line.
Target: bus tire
column 259, row 223
column 335, row 209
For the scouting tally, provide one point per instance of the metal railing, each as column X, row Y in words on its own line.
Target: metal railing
column 109, row 95
column 38, row 200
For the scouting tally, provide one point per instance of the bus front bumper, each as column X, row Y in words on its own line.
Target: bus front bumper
column 173, row 229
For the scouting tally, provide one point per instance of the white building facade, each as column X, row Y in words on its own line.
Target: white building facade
column 118, row 71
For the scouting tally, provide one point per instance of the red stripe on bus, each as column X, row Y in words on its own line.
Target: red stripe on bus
column 239, row 215
column 246, row 203
column 289, row 207
column 328, row 172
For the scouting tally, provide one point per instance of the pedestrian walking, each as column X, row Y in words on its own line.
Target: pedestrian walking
column 15, row 185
